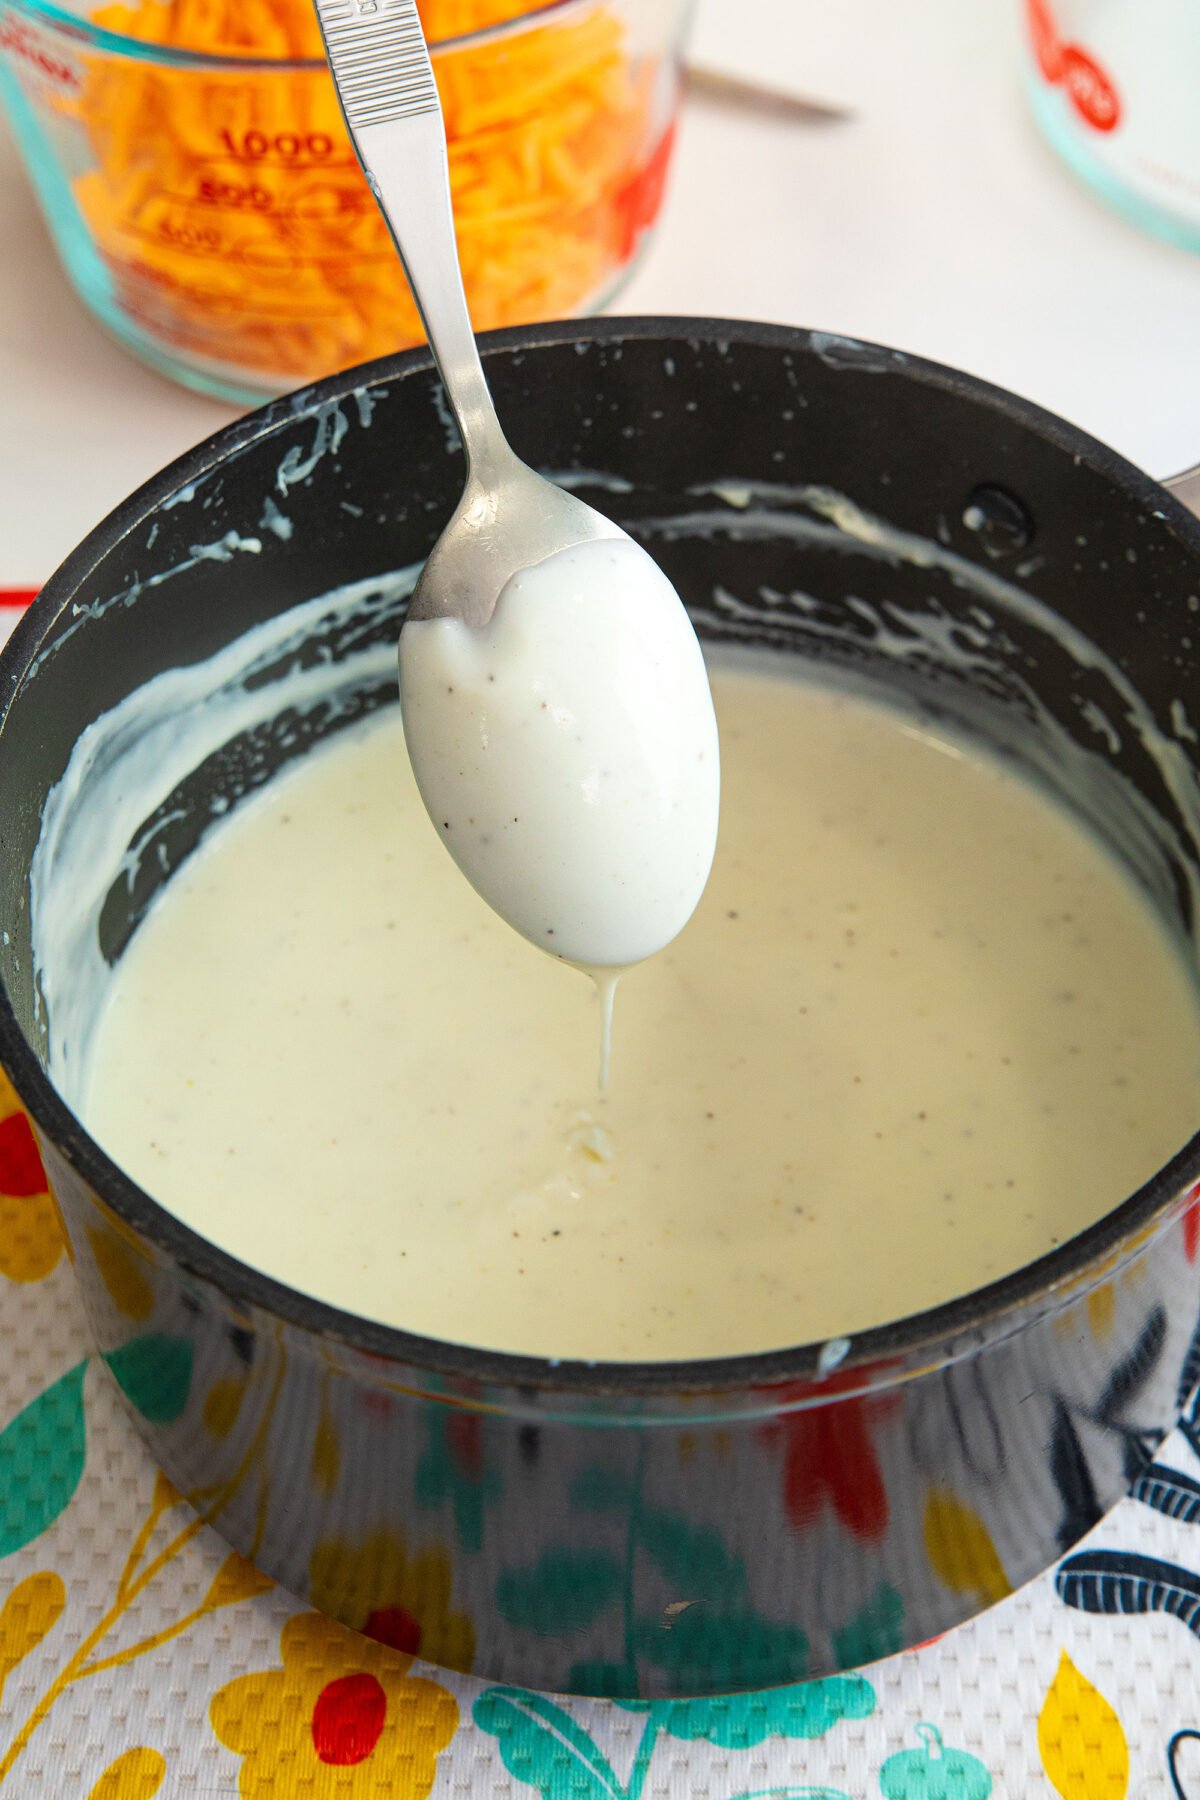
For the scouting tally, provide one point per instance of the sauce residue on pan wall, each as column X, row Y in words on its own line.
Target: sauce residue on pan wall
column 133, row 758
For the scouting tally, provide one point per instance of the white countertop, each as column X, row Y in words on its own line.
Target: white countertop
column 933, row 218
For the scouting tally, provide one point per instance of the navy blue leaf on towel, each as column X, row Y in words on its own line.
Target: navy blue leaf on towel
column 1118, row 1581
column 1190, row 1429
column 1187, row 1736
column 1169, row 1492
column 1073, row 1479
column 1133, row 1371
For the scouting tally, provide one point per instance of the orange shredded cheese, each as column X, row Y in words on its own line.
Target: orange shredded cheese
column 237, row 228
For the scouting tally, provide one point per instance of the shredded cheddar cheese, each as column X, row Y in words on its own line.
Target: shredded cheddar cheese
column 237, row 228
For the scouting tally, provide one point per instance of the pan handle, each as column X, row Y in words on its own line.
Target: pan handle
column 1186, row 487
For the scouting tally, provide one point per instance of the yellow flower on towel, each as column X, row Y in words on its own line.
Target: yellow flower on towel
column 341, row 1720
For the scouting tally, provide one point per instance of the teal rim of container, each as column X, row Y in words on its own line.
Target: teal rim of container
column 1051, row 110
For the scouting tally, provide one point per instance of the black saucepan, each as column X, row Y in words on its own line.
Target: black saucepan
column 664, row 1528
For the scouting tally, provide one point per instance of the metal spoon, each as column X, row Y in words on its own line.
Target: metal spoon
column 509, row 517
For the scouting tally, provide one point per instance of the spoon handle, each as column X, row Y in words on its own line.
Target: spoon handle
column 384, row 81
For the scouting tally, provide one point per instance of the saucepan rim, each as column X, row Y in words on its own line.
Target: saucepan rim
column 881, row 1356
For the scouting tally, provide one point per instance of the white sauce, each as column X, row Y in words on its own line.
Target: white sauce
column 567, row 753
column 920, row 1028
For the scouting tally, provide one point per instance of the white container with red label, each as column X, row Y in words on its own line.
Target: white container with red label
column 1115, row 85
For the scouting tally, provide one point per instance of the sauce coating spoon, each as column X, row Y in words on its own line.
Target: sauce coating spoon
column 555, row 700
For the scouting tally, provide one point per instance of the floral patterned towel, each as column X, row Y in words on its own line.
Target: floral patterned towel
column 140, row 1657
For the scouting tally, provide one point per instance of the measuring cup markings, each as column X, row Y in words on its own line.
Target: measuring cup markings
column 256, row 146
column 39, row 66
column 179, row 237
column 213, row 194
column 225, row 196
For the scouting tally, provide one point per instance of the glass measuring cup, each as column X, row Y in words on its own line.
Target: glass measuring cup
column 208, row 207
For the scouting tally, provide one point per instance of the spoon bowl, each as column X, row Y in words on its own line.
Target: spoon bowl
column 565, row 745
